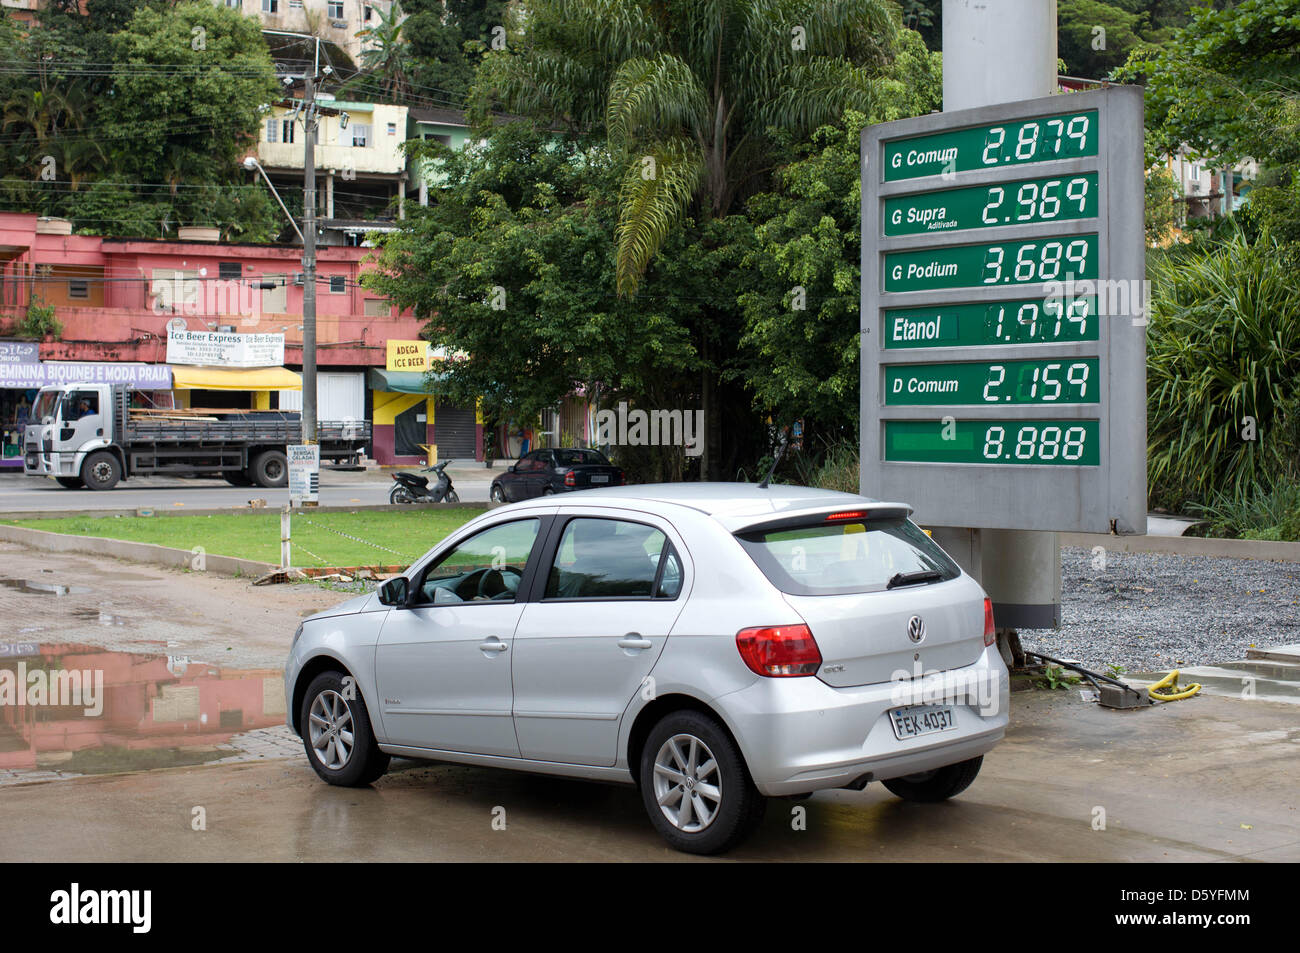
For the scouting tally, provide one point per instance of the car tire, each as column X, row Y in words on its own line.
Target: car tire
column 497, row 494
column 101, row 471
column 324, row 718
column 270, row 469
column 737, row 811
column 72, row 483
column 549, row 491
column 937, row 785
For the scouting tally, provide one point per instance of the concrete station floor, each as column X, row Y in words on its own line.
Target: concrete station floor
column 1208, row 779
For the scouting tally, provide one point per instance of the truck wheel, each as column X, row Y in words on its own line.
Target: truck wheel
column 271, row 469
column 101, row 471
column 72, row 483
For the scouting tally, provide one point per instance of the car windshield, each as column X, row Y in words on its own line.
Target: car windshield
column 573, row 458
column 845, row 556
column 46, row 402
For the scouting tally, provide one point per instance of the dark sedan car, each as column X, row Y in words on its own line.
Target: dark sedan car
column 542, row 472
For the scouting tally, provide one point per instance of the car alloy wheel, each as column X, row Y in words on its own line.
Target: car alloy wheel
column 330, row 729
column 498, row 494
column 687, row 783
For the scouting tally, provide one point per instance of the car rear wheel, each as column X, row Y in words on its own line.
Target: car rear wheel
column 695, row 785
column 549, row 491
column 271, row 469
column 937, row 785
column 337, row 735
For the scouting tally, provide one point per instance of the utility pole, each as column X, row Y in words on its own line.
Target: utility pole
column 309, row 432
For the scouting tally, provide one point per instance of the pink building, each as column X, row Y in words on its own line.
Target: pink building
column 115, row 298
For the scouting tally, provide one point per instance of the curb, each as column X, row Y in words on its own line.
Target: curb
column 1187, row 546
column 149, row 553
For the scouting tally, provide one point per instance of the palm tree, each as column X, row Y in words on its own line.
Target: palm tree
column 386, row 54
column 689, row 92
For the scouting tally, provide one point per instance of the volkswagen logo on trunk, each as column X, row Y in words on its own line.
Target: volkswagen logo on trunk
column 916, row 628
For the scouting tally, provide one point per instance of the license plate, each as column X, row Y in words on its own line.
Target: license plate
column 918, row 720
column 600, row 478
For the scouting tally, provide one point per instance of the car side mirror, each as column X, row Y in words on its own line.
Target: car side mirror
column 395, row 591
column 510, row 469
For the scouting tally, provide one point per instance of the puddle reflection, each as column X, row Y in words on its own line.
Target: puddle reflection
column 84, row 710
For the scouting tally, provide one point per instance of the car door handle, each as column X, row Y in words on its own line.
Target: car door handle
column 493, row 645
column 633, row 640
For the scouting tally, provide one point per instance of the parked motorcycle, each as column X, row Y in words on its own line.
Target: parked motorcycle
column 413, row 488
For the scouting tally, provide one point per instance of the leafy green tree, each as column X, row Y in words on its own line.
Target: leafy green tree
column 512, row 266
column 1161, row 206
column 447, row 41
column 1094, row 37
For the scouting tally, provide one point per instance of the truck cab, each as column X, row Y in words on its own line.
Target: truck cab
column 71, row 423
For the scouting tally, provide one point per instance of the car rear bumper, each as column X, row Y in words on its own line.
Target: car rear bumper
column 800, row 734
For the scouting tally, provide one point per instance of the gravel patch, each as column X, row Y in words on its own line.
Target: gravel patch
column 1152, row 611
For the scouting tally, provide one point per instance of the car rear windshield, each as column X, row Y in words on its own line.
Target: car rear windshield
column 828, row 558
column 573, row 458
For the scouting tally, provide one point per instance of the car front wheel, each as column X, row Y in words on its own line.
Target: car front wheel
column 497, row 494
column 337, row 734
column 937, row 785
column 695, row 785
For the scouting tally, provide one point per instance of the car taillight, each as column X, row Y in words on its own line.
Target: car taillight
column 570, row 479
column 618, row 480
column 781, row 651
column 990, row 634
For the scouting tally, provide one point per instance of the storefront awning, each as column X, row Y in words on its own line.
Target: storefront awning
column 235, row 378
column 401, row 382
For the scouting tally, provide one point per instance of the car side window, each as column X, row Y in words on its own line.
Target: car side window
column 609, row 559
column 487, row 567
column 670, row 575
column 530, row 463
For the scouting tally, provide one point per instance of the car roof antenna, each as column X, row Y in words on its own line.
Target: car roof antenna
column 776, row 461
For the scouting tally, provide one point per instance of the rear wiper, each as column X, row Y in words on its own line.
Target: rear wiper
column 909, row 578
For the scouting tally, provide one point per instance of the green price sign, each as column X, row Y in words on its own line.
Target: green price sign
column 1025, row 202
column 1067, row 136
column 1070, row 443
column 992, row 264
column 1011, row 382
column 1027, row 321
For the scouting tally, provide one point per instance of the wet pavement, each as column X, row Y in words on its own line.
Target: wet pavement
column 170, row 745
column 1211, row 779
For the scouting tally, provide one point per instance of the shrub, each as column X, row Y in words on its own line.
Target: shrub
column 1223, row 346
column 38, row 322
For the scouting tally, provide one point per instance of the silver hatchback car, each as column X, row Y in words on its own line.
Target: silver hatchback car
column 712, row 644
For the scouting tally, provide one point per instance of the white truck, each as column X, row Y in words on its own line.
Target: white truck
column 83, row 435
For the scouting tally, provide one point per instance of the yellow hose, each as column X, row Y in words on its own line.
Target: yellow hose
column 1168, row 689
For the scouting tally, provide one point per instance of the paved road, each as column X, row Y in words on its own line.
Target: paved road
column 21, row 493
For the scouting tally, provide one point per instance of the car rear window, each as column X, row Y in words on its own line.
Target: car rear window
column 829, row 558
column 573, row 458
